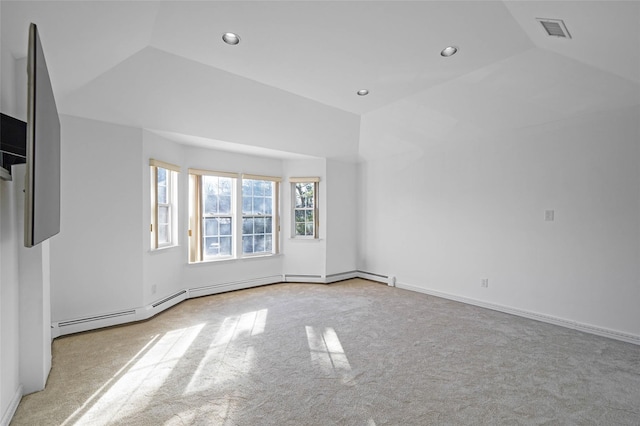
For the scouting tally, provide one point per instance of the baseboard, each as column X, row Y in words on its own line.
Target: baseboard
column 122, row 317
column 320, row 279
column 300, row 278
column 77, row 325
column 235, row 285
column 11, row 409
column 332, row 278
column 372, row 276
column 587, row 328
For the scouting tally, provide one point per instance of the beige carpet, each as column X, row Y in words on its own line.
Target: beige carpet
column 351, row 353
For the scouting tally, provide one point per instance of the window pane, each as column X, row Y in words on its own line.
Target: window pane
column 258, row 205
column 247, row 226
column 309, row 229
column 304, row 194
column 225, row 226
column 258, row 187
column 246, row 187
column 211, row 246
column 259, row 225
column 258, row 244
column 300, row 228
column 225, row 204
column 163, row 215
column 163, row 234
column 268, row 205
column 267, row 225
column 299, row 216
column 210, row 204
column 268, row 243
column 162, row 176
column 268, row 190
column 210, row 227
column 247, row 244
column 225, row 246
column 247, row 205
column 162, row 194
column 309, row 216
column 225, row 185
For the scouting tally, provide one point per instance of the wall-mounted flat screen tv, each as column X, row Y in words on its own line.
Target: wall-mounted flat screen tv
column 42, row 191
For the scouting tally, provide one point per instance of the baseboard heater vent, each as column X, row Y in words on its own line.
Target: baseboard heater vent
column 373, row 274
column 302, row 276
column 166, row 299
column 96, row 318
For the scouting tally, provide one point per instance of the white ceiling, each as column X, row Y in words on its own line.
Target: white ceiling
column 327, row 50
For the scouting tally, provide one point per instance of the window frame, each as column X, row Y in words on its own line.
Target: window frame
column 197, row 216
column 196, row 222
column 316, row 225
column 172, row 173
column 275, row 215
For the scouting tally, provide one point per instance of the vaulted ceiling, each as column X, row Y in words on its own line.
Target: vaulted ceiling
column 100, row 53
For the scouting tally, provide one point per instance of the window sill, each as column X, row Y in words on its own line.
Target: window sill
column 163, row 249
column 306, row 240
column 235, row 259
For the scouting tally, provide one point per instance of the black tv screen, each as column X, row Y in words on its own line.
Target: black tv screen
column 42, row 191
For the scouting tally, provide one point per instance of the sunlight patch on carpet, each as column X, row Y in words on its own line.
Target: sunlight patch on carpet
column 224, row 361
column 327, row 353
column 136, row 388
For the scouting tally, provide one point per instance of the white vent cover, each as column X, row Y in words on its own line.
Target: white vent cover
column 554, row 27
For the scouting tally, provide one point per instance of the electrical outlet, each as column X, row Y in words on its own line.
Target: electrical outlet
column 484, row 282
column 549, row 215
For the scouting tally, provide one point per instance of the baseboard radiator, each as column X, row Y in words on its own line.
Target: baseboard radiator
column 131, row 315
column 110, row 319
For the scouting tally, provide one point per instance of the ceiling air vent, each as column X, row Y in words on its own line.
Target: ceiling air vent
column 554, row 27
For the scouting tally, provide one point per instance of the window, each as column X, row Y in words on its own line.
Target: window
column 305, row 207
column 217, row 216
column 258, row 199
column 232, row 216
column 164, row 190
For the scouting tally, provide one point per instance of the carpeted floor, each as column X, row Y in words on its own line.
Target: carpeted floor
column 350, row 353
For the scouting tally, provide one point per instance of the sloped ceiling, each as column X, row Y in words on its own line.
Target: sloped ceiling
column 511, row 72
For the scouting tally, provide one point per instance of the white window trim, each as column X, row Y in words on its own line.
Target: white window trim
column 275, row 215
column 172, row 197
column 316, row 225
column 196, row 255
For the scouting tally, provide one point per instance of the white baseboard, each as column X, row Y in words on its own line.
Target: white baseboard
column 299, row 278
column 11, row 409
column 373, row 277
column 333, row 278
column 320, row 279
column 587, row 328
column 116, row 318
column 95, row 322
column 236, row 285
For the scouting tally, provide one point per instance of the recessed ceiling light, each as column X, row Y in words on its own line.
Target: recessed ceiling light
column 363, row 92
column 231, row 38
column 449, row 51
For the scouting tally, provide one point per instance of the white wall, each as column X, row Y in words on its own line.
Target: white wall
column 10, row 383
column 448, row 203
column 342, row 217
column 9, row 301
column 304, row 256
column 96, row 260
column 168, row 269
column 101, row 260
